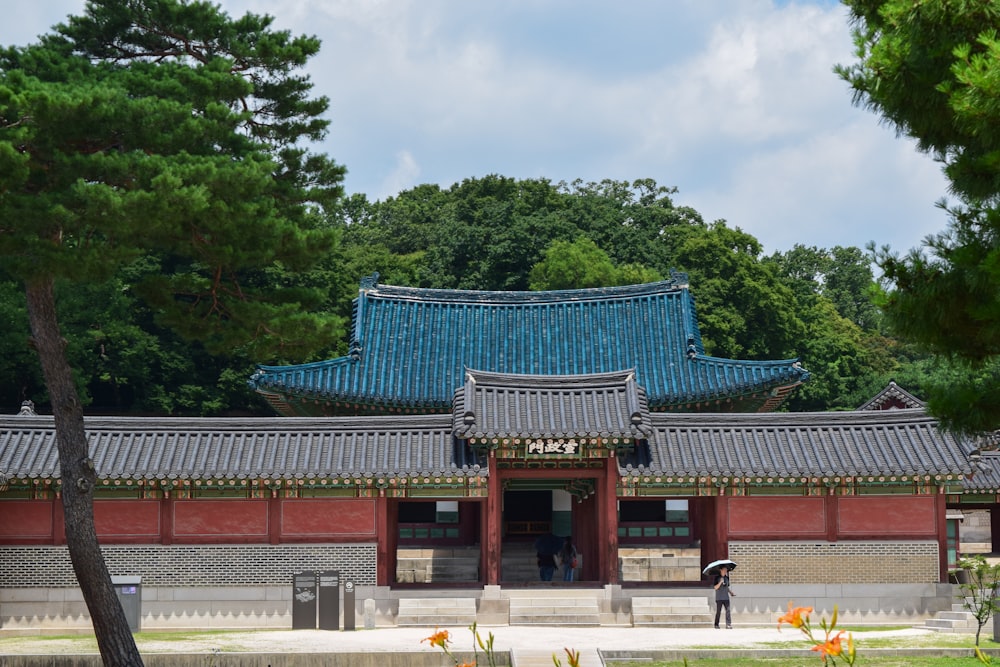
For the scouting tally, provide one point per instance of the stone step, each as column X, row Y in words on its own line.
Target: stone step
column 547, row 610
column 436, row 611
column 952, row 621
column 543, row 658
column 670, row 611
column 961, row 615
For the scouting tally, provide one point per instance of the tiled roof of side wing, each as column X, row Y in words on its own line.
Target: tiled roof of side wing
column 411, row 345
column 134, row 448
column 901, row 442
column 608, row 405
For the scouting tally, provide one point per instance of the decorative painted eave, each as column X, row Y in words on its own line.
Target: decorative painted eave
column 893, row 397
column 316, row 452
column 903, row 447
column 600, row 405
column 410, row 348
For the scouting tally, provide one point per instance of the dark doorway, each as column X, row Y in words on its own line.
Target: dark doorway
column 527, row 513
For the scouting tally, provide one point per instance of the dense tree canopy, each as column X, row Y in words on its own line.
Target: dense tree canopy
column 162, row 140
column 931, row 71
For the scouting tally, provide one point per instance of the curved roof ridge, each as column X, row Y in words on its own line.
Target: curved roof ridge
column 236, row 424
column 772, row 419
column 563, row 381
column 428, row 294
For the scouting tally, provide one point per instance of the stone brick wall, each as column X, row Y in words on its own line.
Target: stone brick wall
column 191, row 565
column 903, row 562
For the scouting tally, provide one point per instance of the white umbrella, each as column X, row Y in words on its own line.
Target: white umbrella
column 715, row 565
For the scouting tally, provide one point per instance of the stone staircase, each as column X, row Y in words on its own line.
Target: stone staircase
column 958, row 620
column 671, row 612
column 435, row 612
column 542, row 658
column 555, row 607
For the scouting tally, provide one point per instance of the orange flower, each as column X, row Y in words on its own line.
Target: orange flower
column 467, row 664
column 830, row 647
column 439, row 638
column 794, row 617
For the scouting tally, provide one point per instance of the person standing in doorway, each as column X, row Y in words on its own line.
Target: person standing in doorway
column 722, row 595
column 568, row 557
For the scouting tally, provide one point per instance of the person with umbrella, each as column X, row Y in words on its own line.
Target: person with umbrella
column 721, row 570
column 546, row 548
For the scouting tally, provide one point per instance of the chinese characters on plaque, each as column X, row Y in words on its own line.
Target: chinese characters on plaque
column 551, row 446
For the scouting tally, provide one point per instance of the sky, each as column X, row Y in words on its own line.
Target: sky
column 733, row 102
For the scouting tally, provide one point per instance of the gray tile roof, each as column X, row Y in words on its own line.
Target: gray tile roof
column 244, row 448
column 900, row 442
column 892, row 398
column 609, row 405
column 985, row 477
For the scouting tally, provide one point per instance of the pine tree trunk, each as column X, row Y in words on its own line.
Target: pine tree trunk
column 114, row 638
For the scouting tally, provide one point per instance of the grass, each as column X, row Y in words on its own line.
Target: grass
column 799, row 661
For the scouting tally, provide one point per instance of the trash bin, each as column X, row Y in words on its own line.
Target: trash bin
column 304, row 601
column 128, row 590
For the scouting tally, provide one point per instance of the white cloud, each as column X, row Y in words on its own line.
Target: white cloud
column 402, row 177
column 734, row 103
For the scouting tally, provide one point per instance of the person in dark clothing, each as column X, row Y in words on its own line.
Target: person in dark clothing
column 722, row 594
column 546, row 566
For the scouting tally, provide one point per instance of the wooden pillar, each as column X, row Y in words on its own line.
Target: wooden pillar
column 387, row 539
column 166, row 518
column 58, row 520
column 607, row 521
column 995, row 528
column 490, row 551
column 274, row 518
column 941, row 506
column 832, row 507
column 721, row 527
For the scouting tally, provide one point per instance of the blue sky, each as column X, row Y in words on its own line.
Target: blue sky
column 733, row 102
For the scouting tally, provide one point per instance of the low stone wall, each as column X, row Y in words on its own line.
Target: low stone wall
column 182, row 586
column 857, row 604
column 659, row 564
column 50, row 610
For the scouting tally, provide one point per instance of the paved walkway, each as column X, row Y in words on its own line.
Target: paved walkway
column 530, row 639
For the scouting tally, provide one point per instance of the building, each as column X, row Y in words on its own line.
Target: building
column 464, row 426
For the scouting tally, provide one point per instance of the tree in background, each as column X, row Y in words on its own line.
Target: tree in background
column 580, row 264
column 164, row 137
column 931, row 70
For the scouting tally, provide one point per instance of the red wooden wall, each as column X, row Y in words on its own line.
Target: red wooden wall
column 197, row 521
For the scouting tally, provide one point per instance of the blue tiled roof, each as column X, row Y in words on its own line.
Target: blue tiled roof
column 410, row 346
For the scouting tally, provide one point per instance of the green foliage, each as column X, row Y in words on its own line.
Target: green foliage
column 744, row 309
column 931, row 71
column 580, row 264
column 980, row 592
column 165, row 129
